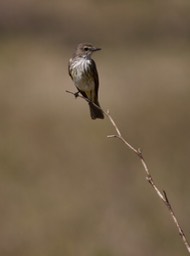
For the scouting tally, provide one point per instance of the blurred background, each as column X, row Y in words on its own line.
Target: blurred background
column 66, row 189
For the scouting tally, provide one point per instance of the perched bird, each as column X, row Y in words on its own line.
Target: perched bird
column 82, row 69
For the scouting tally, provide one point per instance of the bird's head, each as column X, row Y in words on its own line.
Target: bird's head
column 85, row 50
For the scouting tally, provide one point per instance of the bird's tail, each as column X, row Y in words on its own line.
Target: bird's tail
column 95, row 112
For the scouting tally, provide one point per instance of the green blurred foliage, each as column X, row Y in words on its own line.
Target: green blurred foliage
column 65, row 188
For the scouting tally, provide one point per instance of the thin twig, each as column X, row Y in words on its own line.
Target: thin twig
column 162, row 195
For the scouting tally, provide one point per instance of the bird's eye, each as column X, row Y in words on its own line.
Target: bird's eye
column 86, row 48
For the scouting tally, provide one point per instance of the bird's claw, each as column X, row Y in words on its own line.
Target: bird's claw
column 76, row 94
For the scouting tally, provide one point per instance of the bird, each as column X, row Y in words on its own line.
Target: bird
column 82, row 70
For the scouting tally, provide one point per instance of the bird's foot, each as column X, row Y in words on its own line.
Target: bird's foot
column 76, row 94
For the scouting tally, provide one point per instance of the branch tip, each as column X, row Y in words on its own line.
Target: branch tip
column 139, row 151
column 112, row 136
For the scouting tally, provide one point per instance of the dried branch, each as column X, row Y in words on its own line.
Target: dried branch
column 162, row 195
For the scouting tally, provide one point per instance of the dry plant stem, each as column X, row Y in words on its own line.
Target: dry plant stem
column 162, row 195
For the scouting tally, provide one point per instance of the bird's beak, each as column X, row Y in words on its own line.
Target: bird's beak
column 96, row 49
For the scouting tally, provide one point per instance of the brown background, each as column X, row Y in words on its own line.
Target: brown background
column 65, row 189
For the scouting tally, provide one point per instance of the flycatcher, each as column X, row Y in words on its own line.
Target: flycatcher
column 83, row 71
